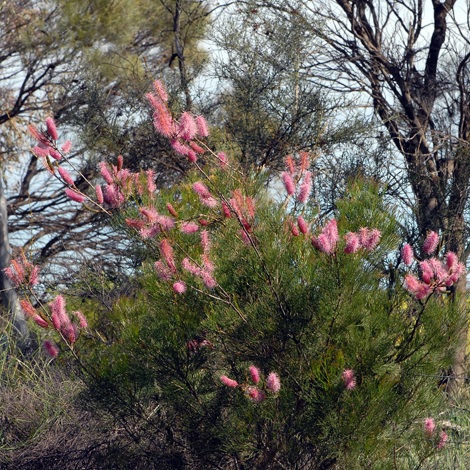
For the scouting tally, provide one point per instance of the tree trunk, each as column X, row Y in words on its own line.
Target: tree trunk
column 8, row 294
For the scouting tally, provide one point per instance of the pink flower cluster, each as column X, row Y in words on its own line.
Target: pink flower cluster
column 204, row 195
column 301, row 174
column 349, row 379
column 429, row 428
column 326, row 241
column 22, row 272
column 436, row 276
column 365, row 238
column 47, row 145
column 256, row 394
column 182, row 132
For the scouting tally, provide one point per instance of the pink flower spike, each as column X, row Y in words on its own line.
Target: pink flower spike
column 429, row 426
column 196, row 147
column 51, row 349
column 55, row 154
column 302, row 225
column 352, row 243
column 39, row 136
column 254, row 372
column 65, row 176
column 322, row 243
column 167, row 252
column 187, row 129
column 208, row 280
column 105, row 173
column 113, row 196
column 412, row 284
column 273, row 383
column 305, row 188
column 40, row 321
column 55, row 321
column 66, row 147
column 349, row 379
column 371, row 242
column 205, row 241
column 162, row 120
column 223, row 161
column 290, row 165
column 99, row 193
column 74, row 196
column 443, row 441
column 192, row 156
column 28, row 309
column 201, row 190
column 202, row 126
column 363, row 236
column 451, row 260
column 331, row 231
column 293, row 229
column 229, row 382
column 407, row 254
column 226, row 210
column 179, row 287
column 288, row 183
column 431, row 242
column 423, row 291
column 255, row 394
column 51, row 128
column 189, row 227
column 82, row 320
column 209, row 202
column 41, row 152
column 163, row 272
column 190, row 267
column 160, row 90
column 171, row 210
column 151, row 181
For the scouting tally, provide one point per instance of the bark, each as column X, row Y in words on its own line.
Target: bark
column 8, row 294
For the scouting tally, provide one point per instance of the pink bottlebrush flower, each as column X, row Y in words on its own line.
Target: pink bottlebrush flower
column 167, row 252
column 229, row 382
column 304, row 161
column 234, row 202
column 99, row 194
column 426, row 267
column 41, row 152
column 187, row 128
column 426, row 278
column 189, row 227
column 179, row 287
column 255, row 394
column 51, row 128
column 34, row 276
column 39, row 136
column 363, row 236
column 293, row 229
column 105, row 173
column 412, row 283
column 288, row 183
column 208, row 265
column 40, row 321
column 163, row 272
column 135, row 223
column 28, row 309
column 373, row 240
column 190, row 267
column 349, row 379
column 208, row 280
column 171, row 210
column 205, row 241
column 451, row 260
column 55, row 321
column 273, row 383
column 202, row 126
column 331, row 231
column 196, row 147
column 245, row 238
column 303, row 227
column 223, row 161
column 162, row 120
column 290, row 165
column 166, row 223
column 74, row 196
column 209, row 202
column 443, row 441
column 429, row 426
column 66, row 147
column 55, row 154
column 407, row 254
column 154, row 100
column 65, row 176
column 51, row 349
column 436, row 266
column 254, row 372
column 250, row 205
column 151, row 188
column 192, row 156
column 458, row 271
column 352, row 243
column 322, row 243
column 113, row 196
column 203, row 222
column 160, row 90
column 201, row 190
column 431, row 242
column 150, row 213
column 151, row 232
column 14, row 278
column 226, row 210
column 305, row 188
column 81, row 318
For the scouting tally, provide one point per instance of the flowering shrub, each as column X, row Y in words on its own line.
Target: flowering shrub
column 265, row 343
